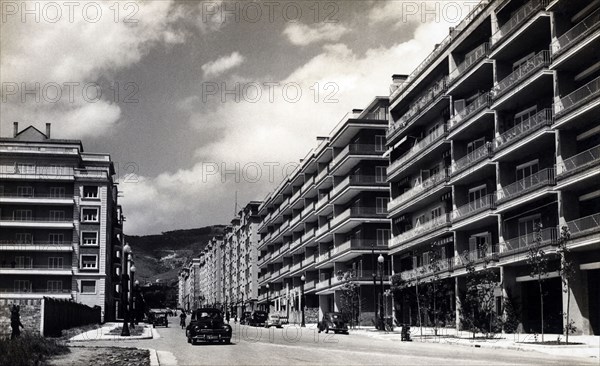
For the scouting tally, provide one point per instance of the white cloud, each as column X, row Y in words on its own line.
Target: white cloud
column 78, row 51
column 222, row 64
column 303, row 35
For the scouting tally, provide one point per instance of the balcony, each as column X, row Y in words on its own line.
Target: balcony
column 415, row 191
column 470, row 209
column 575, row 35
column 64, row 270
column 522, row 243
column 307, row 210
column 295, row 196
column 296, row 243
column 580, row 162
column 308, row 261
column 478, row 105
column 471, row 59
column 295, row 267
column 36, row 198
column 34, row 293
column 8, row 171
column 577, row 98
column 309, row 182
column 356, row 150
column 422, row 103
column 584, row 226
column 518, row 18
column 324, row 283
column 322, row 230
column 481, row 153
column 543, row 118
column 322, row 202
column 420, row 229
column 345, row 215
column 357, row 180
column 322, row 175
column 295, row 220
column 36, row 222
column 540, row 179
column 36, row 246
column 427, row 270
column 323, row 257
column 308, row 235
column 309, row 285
column 410, row 156
column 533, row 64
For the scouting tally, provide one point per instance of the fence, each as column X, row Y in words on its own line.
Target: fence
column 64, row 314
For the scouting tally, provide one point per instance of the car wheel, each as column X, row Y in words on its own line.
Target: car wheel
column 327, row 329
column 189, row 340
column 335, row 331
column 153, row 325
column 227, row 341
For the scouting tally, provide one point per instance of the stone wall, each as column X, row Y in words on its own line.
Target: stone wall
column 31, row 315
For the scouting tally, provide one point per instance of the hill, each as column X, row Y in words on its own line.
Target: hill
column 162, row 256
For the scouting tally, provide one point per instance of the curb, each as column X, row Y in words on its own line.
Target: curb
column 100, row 335
column 153, row 357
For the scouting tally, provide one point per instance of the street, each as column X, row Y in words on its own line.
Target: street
column 292, row 346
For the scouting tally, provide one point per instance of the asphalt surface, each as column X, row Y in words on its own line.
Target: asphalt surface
column 294, row 346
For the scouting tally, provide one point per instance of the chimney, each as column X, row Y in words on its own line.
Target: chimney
column 47, row 130
column 15, row 129
column 399, row 78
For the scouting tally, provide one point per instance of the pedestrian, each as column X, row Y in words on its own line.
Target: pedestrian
column 15, row 322
column 227, row 316
column 182, row 321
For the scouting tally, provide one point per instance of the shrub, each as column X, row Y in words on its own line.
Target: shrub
column 29, row 350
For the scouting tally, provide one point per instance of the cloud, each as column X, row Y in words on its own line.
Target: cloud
column 303, row 35
column 39, row 55
column 223, row 64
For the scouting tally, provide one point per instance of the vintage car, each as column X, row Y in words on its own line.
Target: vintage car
column 158, row 318
column 257, row 318
column 274, row 320
column 334, row 322
column 245, row 317
column 207, row 325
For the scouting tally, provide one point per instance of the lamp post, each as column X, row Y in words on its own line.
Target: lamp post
column 374, row 283
column 138, row 302
column 124, row 285
column 381, row 320
column 268, row 302
column 131, row 294
column 302, row 300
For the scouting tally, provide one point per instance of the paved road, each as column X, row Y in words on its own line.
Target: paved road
column 293, row 346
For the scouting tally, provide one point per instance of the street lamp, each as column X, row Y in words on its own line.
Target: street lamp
column 382, row 324
column 131, row 304
column 302, row 300
column 374, row 283
column 268, row 303
column 124, row 284
column 138, row 301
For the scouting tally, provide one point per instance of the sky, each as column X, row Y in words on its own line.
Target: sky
column 198, row 102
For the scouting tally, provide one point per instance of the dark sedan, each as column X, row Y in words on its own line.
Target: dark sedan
column 334, row 322
column 207, row 325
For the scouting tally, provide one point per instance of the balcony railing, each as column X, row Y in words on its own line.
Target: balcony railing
column 295, row 220
column 529, row 67
column 435, row 136
column 323, row 283
column 580, row 161
column 421, row 229
column 548, row 236
column 428, row 184
column 576, row 34
column 323, row 257
column 322, row 174
column 368, row 211
column 36, row 195
column 308, row 260
column 479, row 104
column 421, row 103
column 322, row 201
column 584, row 225
column 308, row 209
column 296, row 267
column 470, row 60
column 542, row 119
column 35, row 242
column 322, row 229
column 309, row 182
column 578, row 97
column 527, row 184
column 36, row 219
column 309, row 285
column 341, row 217
column 474, row 207
column 472, row 158
column 35, row 291
column 64, row 267
column 439, row 49
column 295, row 196
column 519, row 17
column 296, row 243
column 308, row 235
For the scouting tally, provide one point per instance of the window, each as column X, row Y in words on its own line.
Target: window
column 524, row 116
column 477, row 197
column 55, row 238
column 22, row 286
column 57, row 215
column 380, row 174
column 24, row 238
column 89, row 215
column 474, row 145
column 381, row 205
column 89, row 238
column 26, row 168
column 89, row 261
column 25, row 191
column 23, row 262
column 90, row 191
column 23, row 215
column 436, row 212
column 57, row 192
column 479, row 242
column 55, row 262
column 527, row 226
column 420, row 220
column 523, row 61
column 527, row 170
column 380, row 143
column 383, row 236
column 88, row 287
column 54, row 286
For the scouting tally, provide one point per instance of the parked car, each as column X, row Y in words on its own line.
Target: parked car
column 274, row 320
column 333, row 321
column 159, row 318
column 245, row 317
column 257, row 318
column 207, row 325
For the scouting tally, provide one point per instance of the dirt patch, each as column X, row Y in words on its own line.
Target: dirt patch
column 137, row 331
column 103, row 356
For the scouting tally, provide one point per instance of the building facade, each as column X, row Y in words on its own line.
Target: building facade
column 327, row 218
column 61, row 225
column 493, row 135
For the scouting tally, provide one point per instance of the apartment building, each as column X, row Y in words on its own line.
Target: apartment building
column 328, row 217
column 61, row 225
column 189, row 281
column 495, row 132
column 211, row 278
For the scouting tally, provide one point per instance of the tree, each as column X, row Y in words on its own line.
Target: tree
column 349, row 295
column 436, row 288
column 567, row 274
column 538, row 262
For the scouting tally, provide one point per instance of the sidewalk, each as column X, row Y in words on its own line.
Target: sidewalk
column 103, row 333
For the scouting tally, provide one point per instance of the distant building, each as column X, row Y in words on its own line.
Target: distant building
column 61, row 225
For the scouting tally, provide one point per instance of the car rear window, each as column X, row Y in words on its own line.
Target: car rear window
column 208, row 315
